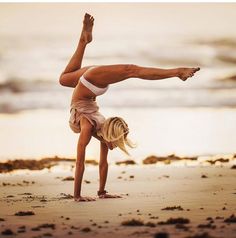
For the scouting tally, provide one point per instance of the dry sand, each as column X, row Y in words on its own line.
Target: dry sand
column 201, row 197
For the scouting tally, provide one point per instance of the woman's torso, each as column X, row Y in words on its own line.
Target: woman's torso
column 81, row 92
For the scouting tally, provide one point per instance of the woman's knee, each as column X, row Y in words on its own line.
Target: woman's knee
column 131, row 70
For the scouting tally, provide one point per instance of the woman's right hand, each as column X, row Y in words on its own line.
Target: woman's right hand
column 84, row 199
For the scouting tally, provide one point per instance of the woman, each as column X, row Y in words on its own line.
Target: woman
column 90, row 82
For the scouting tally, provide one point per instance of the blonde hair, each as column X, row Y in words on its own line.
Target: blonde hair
column 115, row 130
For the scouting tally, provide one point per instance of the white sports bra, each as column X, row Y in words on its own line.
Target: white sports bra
column 96, row 90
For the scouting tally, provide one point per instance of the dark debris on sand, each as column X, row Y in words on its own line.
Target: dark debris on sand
column 161, row 235
column 66, row 196
column 44, row 226
column 7, row 232
column 154, row 217
column 31, row 198
column 47, row 225
column 231, row 219
column 25, row 194
column 150, row 224
column 221, row 160
column 69, row 178
column 233, row 166
column 126, row 162
column 182, row 227
column 21, row 229
column 203, row 235
column 47, row 234
column 132, row 222
column 139, row 233
column 179, row 208
column 86, row 229
column 172, row 221
column 10, row 196
column 33, row 164
column 135, row 222
column 24, row 183
column 207, row 226
column 22, row 213
column 166, row 159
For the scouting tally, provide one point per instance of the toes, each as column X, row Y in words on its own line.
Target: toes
column 88, row 18
column 91, row 18
column 196, row 69
column 87, row 15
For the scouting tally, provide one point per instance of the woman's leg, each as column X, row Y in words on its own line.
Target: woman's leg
column 109, row 74
column 72, row 72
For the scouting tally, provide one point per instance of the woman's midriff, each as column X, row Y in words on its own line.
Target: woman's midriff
column 82, row 93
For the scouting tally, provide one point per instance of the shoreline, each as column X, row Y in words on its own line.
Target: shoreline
column 50, row 162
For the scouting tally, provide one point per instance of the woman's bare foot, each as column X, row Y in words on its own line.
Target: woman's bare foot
column 86, row 34
column 185, row 73
column 84, row 199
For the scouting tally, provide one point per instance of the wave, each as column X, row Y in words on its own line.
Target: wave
column 211, row 90
column 18, row 85
column 220, row 42
column 129, row 98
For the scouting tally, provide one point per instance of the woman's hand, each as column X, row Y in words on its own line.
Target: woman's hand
column 106, row 195
column 84, row 199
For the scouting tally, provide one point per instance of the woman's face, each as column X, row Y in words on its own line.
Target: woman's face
column 110, row 145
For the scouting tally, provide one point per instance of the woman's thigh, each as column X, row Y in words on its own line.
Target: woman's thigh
column 109, row 74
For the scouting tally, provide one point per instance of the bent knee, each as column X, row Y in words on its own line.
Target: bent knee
column 62, row 80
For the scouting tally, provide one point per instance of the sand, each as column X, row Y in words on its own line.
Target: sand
column 157, row 201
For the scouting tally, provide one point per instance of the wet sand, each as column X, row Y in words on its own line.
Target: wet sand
column 158, row 201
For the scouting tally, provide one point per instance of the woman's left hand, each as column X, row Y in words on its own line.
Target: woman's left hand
column 109, row 196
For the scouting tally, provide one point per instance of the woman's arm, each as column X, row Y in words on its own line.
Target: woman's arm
column 108, row 144
column 103, row 166
column 103, row 169
column 84, row 139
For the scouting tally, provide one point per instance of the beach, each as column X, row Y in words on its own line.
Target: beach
column 198, row 199
column 179, row 180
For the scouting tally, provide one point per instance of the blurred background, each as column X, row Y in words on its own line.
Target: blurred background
column 196, row 117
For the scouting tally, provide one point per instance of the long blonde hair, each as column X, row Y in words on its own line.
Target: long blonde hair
column 115, row 130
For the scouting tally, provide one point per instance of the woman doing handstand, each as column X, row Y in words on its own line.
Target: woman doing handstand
column 90, row 82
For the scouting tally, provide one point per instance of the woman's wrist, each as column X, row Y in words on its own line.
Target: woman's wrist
column 99, row 192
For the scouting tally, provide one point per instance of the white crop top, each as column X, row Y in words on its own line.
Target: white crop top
column 96, row 90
